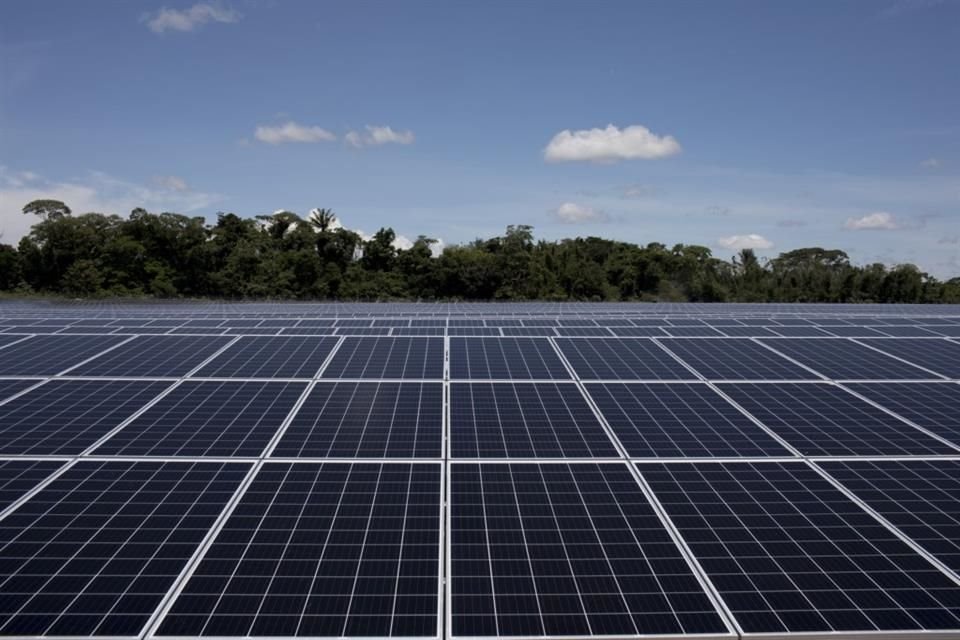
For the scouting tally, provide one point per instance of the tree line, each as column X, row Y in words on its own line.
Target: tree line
column 284, row 255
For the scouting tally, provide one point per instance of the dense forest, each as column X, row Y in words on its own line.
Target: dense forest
column 284, row 255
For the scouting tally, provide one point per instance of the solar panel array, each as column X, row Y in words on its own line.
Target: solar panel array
column 569, row 471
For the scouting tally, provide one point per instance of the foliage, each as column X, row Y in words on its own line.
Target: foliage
column 285, row 256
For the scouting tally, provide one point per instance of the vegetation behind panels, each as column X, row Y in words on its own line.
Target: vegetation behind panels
column 285, row 256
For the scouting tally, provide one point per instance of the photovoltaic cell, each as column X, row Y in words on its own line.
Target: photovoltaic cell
column 95, row 551
column 735, row 359
column 679, row 420
column 12, row 387
column 322, row 550
column 388, row 358
column 48, row 355
column 942, row 356
column 840, row 359
column 789, row 552
column 6, row 339
column 565, row 550
column 66, row 417
column 208, row 419
column 19, row 477
column 275, row 357
column 853, row 332
column 933, row 406
column 539, row 420
column 367, row 420
column 157, row 356
column 621, row 359
column 920, row 497
column 505, row 359
column 825, row 420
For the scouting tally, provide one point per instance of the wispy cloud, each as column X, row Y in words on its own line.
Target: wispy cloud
column 94, row 191
column 930, row 163
column 876, row 221
column 167, row 19
column 173, row 183
column 377, row 135
column 292, row 132
column 747, row 241
column 901, row 7
column 573, row 213
column 609, row 145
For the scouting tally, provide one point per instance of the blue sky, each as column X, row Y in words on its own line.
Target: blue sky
column 774, row 125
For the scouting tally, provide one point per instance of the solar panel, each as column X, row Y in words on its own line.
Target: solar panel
column 367, row 420
column 387, row 358
column 230, row 418
column 920, row 497
column 735, row 359
column 565, row 550
column 19, row 477
column 933, row 406
column 529, row 331
column 908, row 332
column 621, row 359
column 276, row 357
column 747, row 332
column 692, row 331
column 853, row 332
column 48, row 355
column 96, row 550
column 153, row 356
column 680, row 420
column 825, row 420
column 12, row 387
column 66, row 417
column 538, row 420
column 596, row 332
column 505, row 359
column 936, row 354
column 454, row 330
column 327, row 550
column 840, row 359
column 800, row 332
column 788, row 552
column 638, row 332
column 951, row 331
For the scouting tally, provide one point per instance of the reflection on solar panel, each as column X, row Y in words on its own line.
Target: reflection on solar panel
column 19, row 477
column 825, row 420
column 942, row 356
column 680, row 420
column 48, row 355
column 95, row 551
column 565, row 550
column 367, row 420
column 735, row 359
column 789, row 552
column 208, row 419
column 328, row 550
column 505, row 359
column 278, row 357
column 66, row 417
column 920, row 497
column 410, row 358
column 540, row 420
column 621, row 359
column 156, row 356
column 846, row 360
column 933, row 406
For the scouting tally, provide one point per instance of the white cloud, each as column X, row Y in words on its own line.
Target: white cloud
column 292, row 132
column 96, row 191
column 748, row 241
column 573, row 213
column 609, row 145
column 637, row 191
column 189, row 19
column 173, row 183
column 879, row 220
column 378, row 135
column 930, row 163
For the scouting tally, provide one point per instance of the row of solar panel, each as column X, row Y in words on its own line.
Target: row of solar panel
column 482, row 358
column 486, row 419
column 904, row 331
column 442, row 320
column 556, row 550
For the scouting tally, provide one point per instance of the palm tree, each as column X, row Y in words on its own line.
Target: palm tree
column 322, row 219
